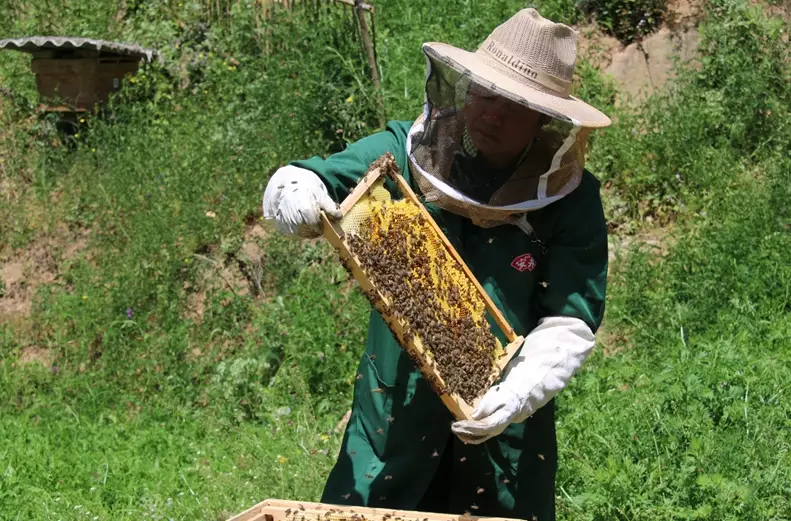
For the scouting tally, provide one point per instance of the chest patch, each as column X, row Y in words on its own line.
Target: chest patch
column 524, row 262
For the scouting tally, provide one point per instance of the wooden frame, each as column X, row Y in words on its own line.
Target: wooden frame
column 278, row 510
column 333, row 232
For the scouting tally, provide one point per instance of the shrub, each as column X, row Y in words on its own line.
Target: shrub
column 627, row 20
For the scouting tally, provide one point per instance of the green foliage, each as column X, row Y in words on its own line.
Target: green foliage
column 684, row 146
column 202, row 361
column 627, row 20
column 689, row 422
column 561, row 11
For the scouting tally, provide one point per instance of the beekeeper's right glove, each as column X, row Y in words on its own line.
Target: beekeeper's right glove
column 294, row 198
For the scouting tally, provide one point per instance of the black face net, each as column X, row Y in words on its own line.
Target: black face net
column 487, row 154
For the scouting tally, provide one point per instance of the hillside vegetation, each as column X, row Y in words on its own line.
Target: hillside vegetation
column 164, row 355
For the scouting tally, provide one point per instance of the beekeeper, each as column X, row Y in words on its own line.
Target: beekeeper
column 497, row 155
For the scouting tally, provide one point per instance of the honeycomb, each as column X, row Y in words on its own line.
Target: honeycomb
column 361, row 211
column 426, row 289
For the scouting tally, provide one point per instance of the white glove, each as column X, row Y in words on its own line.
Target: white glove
column 295, row 198
column 550, row 356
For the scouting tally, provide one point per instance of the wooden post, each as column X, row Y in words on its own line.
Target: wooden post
column 257, row 22
column 369, row 49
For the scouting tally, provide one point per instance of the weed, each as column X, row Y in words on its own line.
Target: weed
column 210, row 396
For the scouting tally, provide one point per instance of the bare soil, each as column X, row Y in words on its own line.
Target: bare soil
column 25, row 270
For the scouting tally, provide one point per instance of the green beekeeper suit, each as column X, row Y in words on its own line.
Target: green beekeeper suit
column 498, row 158
column 396, row 440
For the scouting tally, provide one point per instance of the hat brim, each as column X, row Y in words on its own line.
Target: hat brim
column 481, row 72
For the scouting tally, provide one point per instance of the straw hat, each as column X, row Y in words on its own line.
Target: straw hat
column 530, row 58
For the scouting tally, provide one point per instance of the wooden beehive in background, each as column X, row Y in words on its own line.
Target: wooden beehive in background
column 78, row 74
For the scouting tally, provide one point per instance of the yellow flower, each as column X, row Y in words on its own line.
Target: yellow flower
column 85, row 297
column 350, row 99
column 324, row 437
column 281, row 460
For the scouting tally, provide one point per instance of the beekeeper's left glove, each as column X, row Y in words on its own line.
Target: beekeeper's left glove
column 294, row 198
column 550, row 356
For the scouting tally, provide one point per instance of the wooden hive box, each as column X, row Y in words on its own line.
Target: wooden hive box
column 457, row 309
column 78, row 74
column 279, row 510
column 80, row 83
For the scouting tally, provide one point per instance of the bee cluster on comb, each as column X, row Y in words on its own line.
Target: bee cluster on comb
column 427, row 290
column 422, row 288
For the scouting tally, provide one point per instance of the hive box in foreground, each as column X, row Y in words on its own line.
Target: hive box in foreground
column 277, row 510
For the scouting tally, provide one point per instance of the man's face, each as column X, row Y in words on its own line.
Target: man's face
column 500, row 128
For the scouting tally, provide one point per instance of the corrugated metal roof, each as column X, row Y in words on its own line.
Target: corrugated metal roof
column 35, row 43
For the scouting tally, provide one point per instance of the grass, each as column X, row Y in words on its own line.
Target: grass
column 197, row 362
column 690, row 421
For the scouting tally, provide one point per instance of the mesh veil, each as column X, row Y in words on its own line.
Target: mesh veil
column 450, row 172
